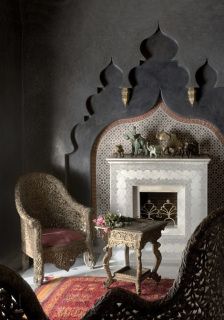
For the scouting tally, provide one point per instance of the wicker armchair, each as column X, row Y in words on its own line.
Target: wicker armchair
column 17, row 300
column 197, row 293
column 54, row 227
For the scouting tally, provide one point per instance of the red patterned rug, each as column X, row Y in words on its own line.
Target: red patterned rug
column 70, row 298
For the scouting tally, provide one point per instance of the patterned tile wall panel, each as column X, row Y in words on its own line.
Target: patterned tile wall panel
column 160, row 118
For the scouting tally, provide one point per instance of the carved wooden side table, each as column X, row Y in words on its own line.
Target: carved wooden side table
column 134, row 236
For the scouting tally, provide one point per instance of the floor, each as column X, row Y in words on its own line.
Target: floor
column 80, row 269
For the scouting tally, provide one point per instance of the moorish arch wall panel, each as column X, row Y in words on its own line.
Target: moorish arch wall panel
column 210, row 139
column 159, row 76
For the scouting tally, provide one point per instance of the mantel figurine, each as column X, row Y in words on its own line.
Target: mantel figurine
column 169, row 143
column 119, row 151
column 191, row 149
column 139, row 144
column 154, row 150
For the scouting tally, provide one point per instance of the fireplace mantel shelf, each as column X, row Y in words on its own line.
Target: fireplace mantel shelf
column 130, row 159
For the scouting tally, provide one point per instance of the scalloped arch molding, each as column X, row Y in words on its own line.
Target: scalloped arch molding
column 159, row 118
column 158, row 76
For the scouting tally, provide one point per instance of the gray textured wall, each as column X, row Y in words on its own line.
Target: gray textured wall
column 67, row 43
column 10, row 126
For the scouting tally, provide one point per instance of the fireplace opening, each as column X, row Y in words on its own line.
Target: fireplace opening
column 159, row 206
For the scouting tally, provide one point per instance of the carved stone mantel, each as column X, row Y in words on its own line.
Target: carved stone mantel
column 186, row 176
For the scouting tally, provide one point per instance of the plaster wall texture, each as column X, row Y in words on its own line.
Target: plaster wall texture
column 11, row 128
column 68, row 43
column 65, row 46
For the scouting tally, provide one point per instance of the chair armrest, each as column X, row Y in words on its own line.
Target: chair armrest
column 88, row 214
column 75, row 215
column 81, row 218
column 31, row 233
column 31, row 222
column 24, row 216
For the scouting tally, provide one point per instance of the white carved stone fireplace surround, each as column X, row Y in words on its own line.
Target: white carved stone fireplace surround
column 186, row 177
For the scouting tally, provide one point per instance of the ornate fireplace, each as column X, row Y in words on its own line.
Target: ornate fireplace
column 117, row 183
column 181, row 178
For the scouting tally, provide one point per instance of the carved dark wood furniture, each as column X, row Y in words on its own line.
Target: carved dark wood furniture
column 54, row 227
column 17, row 300
column 134, row 236
column 197, row 293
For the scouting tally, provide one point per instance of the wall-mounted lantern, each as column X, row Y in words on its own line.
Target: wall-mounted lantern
column 191, row 92
column 125, row 95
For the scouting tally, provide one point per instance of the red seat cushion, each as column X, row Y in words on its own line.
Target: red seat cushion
column 57, row 237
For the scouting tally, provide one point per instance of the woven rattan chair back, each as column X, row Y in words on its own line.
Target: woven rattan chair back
column 43, row 202
column 45, row 198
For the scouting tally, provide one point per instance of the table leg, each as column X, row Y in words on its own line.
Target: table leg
column 158, row 256
column 126, row 256
column 106, row 265
column 139, row 271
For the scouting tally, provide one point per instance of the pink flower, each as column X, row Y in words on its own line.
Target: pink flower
column 100, row 222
